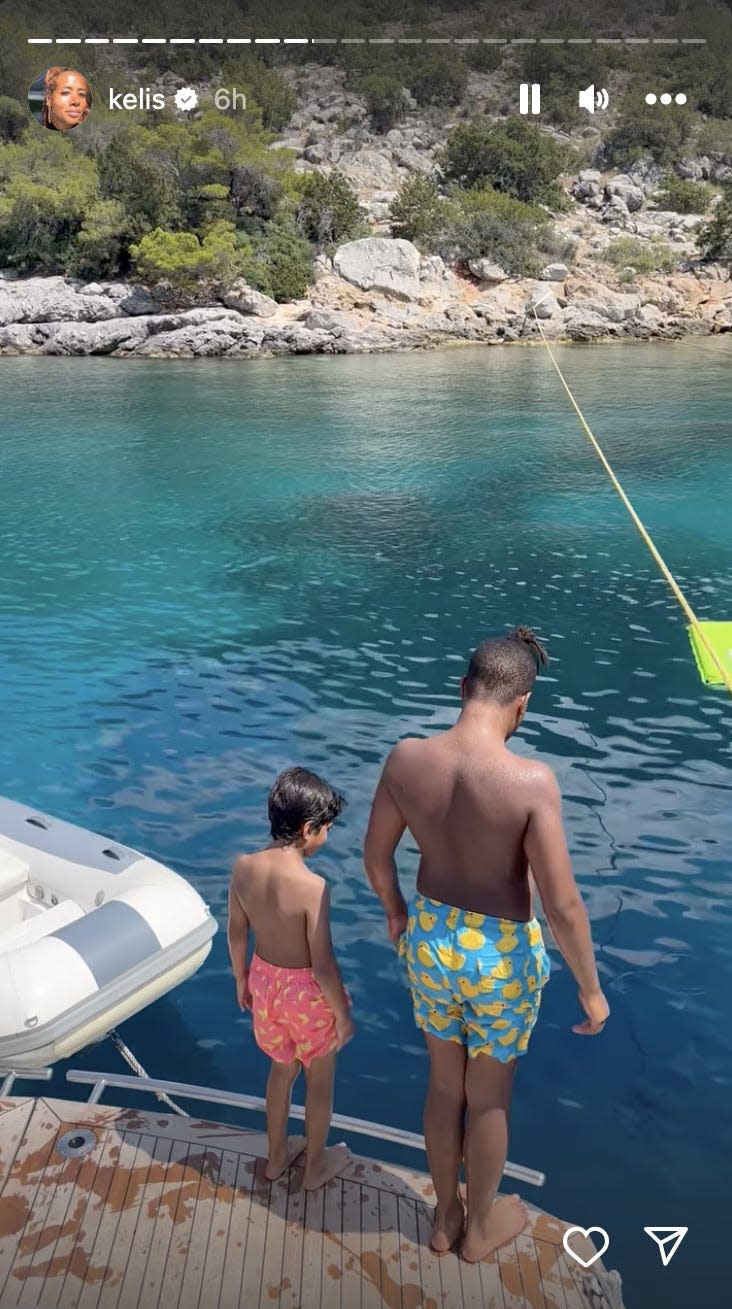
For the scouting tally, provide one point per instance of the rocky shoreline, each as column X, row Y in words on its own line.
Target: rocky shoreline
column 376, row 294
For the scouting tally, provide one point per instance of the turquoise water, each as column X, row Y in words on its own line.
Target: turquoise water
column 213, row 570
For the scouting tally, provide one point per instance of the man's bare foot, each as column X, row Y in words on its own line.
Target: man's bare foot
column 331, row 1162
column 448, row 1227
column 279, row 1164
column 507, row 1218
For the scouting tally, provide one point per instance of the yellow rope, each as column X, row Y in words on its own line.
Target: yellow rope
column 689, row 612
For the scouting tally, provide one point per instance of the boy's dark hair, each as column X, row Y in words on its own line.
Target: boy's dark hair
column 504, row 667
column 299, row 797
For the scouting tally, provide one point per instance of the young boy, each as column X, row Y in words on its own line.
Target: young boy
column 300, row 1008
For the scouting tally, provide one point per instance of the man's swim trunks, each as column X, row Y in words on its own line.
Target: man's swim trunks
column 474, row 979
column 292, row 1018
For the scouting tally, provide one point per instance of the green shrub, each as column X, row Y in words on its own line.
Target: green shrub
column 145, row 185
column 715, row 238
column 704, row 71
column 183, row 262
column 273, row 95
column 483, row 58
column 19, row 62
column 46, row 189
column 255, row 191
column 488, row 224
column 13, row 119
column 328, row 211
column 385, row 98
column 417, row 213
column 101, row 241
column 439, row 78
column 281, row 262
column 652, row 130
column 715, row 138
column 643, row 256
column 684, row 196
column 512, row 156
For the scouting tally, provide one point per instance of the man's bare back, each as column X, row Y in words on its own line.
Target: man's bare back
column 277, row 891
column 466, row 800
column 481, row 817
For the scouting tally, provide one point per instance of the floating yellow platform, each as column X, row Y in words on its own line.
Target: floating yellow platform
column 712, row 647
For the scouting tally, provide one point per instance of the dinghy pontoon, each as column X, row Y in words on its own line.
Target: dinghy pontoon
column 90, row 932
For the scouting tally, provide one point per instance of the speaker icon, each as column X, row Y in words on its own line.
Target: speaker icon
column 591, row 99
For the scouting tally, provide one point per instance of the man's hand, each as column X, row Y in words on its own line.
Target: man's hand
column 396, row 923
column 243, row 994
column 344, row 1030
column 598, row 1011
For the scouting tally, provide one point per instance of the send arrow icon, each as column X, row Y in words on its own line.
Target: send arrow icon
column 668, row 1240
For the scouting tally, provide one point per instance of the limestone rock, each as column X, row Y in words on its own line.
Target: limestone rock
column 554, row 273
column 320, row 320
column 541, row 302
column 616, row 212
column 486, row 271
column 393, row 267
column 690, row 169
column 650, row 313
column 646, row 174
column 118, row 334
column 51, row 299
column 432, row 269
column 587, row 185
column 245, row 300
column 23, row 338
column 623, row 188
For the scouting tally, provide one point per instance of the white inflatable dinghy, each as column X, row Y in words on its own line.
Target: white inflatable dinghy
column 90, row 933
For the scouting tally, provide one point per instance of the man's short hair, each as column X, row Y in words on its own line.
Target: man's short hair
column 504, row 668
column 299, row 797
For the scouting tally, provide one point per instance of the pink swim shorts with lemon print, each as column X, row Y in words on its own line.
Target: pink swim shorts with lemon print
column 474, row 980
column 291, row 1016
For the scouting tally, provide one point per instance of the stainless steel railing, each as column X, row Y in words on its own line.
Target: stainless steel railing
column 12, row 1075
column 254, row 1104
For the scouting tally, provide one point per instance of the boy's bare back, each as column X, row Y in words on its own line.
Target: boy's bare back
column 280, row 896
column 467, row 803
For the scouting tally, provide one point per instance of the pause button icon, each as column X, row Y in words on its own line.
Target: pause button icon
column 529, row 98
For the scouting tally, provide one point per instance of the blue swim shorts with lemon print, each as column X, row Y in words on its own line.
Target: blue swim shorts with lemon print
column 474, row 979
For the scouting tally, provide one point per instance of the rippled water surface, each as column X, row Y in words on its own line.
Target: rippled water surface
column 211, row 571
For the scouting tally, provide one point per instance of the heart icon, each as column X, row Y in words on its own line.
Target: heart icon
column 586, row 1232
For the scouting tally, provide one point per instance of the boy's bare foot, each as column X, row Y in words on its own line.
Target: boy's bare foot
column 279, row 1164
column 331, row 1162
column 448, row 1227
column 507, row 1218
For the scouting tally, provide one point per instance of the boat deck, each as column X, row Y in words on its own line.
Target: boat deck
column 176, row 1212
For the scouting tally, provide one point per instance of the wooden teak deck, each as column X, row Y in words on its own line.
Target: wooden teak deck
column 177, row 1213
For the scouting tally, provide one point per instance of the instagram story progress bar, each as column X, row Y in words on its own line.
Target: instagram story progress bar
column 529, row 98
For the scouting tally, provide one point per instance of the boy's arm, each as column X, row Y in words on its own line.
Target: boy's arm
column 385, row 830
column 323, row 961
column 546, row 850
column 237, row 936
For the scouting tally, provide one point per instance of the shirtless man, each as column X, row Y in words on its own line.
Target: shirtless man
column 484, row 820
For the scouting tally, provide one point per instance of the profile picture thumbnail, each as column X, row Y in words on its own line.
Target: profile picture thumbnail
column 60, row 98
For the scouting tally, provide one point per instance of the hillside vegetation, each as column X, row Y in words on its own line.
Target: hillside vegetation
column 195, row 201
